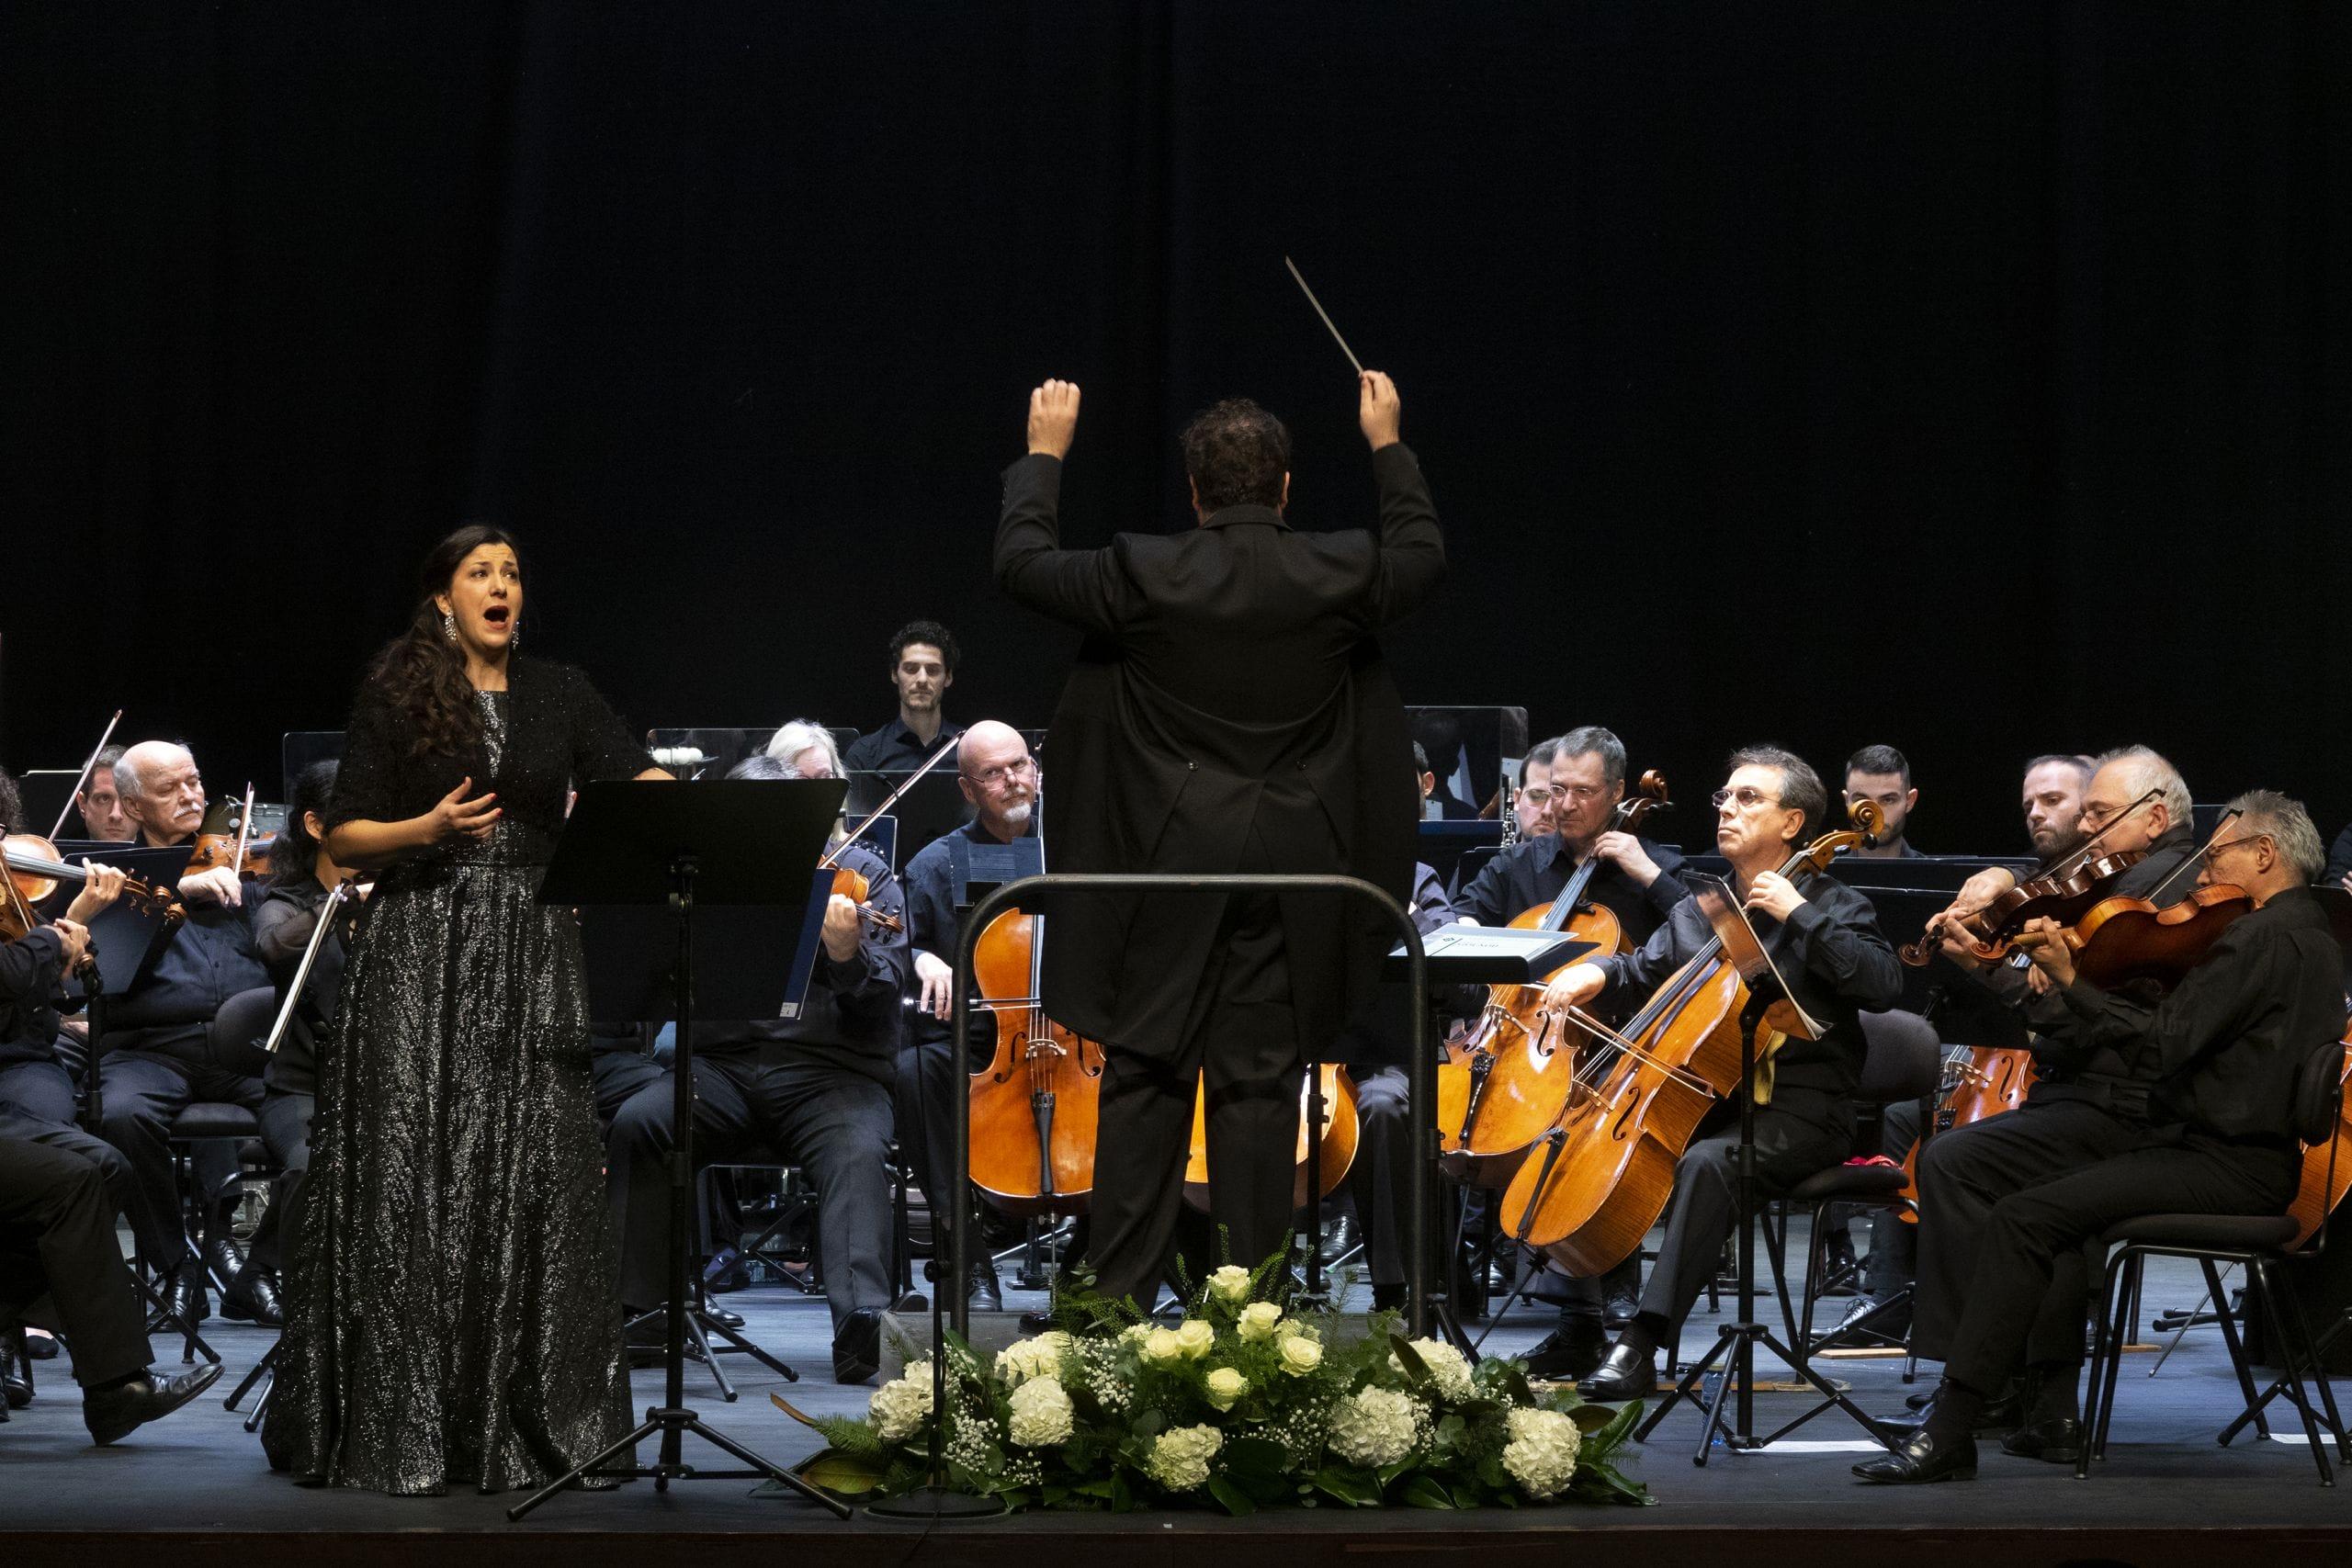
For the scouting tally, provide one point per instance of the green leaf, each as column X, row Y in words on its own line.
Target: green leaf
column 1232, row 1499
column 1591, row 1418
column 1598, row 1447
column 1602, row 1483
column 1426, row 1490
column 847, row 1475
column 1356, row 1488
column 1416, row 1370
column 1515, row 1384
column 1254, row 1458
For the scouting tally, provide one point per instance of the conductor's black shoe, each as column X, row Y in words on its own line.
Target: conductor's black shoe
column 188, row 1302
column 857, row 1348
column 112, row 1414
column 986, row 1294
column 2056, row 1438
column 1625, row 1373
column 1569, row 1352
column 1918, row 1459
column 251, row 1297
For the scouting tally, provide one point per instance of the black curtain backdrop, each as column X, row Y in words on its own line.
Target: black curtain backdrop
column 1968, row 377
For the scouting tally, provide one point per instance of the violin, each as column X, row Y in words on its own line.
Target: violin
column 1608, row 1165
column 2119, row 941
column 1978, row 1081
column 1499, row 1091
column 852, row 885
column 233, row 846
column 2060, row 891
column 35, row 873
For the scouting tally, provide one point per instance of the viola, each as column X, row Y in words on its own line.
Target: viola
column 2119, row 941
column 1608, row 1166
column 1034, row 1107
column 1500, row 1091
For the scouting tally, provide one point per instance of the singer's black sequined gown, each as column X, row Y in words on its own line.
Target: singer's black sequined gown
column 451, row 1315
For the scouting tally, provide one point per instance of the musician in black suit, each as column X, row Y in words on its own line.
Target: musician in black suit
column 1228, row 712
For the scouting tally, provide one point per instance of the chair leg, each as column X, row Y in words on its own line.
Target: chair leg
column 2231, row 1341
column 2259, row 1280
column 2098, row 1384
column 1776, row 1248
column 2318, row 1351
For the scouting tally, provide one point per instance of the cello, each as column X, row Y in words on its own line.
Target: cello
column 1338, row 1134
column 1034, row 1107
column 1977, row 1081
column 2327, row 1167
column 1500, row 1091
column 1608, row 1165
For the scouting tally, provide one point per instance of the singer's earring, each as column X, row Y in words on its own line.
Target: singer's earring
column 450, row 625
column 515, row 637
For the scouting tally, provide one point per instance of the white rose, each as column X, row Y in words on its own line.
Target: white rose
column 1541, row 1454
column 1041, row 1413
column 1227, row 1387
column 1230, row 1284
column 1196, row 1336
column 1299, row 1355
column 1161, row 1347
column 1259, row 1321
column 1179, row 1460
column 1449, row 1369
column 898, row 1409
column 1136, row 1333
column 1378, row 1426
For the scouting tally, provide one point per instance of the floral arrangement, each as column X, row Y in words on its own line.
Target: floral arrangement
column 1241, row 1404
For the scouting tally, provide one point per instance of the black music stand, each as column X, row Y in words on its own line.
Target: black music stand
column 1736, row 1343
column 736, row 842
column 1463, row 954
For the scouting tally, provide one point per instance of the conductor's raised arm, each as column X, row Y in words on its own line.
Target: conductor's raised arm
column 1413, row 549
column 1084, row 588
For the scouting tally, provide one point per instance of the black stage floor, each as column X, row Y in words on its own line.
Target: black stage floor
column 196, row 1487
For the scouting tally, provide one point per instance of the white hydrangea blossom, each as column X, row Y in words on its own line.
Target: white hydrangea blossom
column 898, row 1408
column 1041, row 1413
column 1038, row 1358
column 1449, row 1369
column 1378, row 1426
column 1180, row 1459
column 1541, row 1454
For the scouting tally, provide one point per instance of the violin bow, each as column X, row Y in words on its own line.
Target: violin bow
column 244, row 829
column 83, row 783
column 1325, row 314
column 2174, row 876
column 888, row 801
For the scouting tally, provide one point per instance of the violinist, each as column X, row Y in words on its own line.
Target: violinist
column 999, row 780
column 302, row 876
column 100, row 804
column 1824, row 938
column 923, row 666
column 2087, row 1102
column 1578, row 781
column 161, row 1054
column 816, row 1086
column 2219, row 1056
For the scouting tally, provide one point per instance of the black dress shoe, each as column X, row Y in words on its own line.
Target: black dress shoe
column 14, row 1391
column 1919, row 1460
column 187, row 1299
column 857, row 1346
column 986, row 1294
column 1625, row 1373
column 1890, row 1324
column 1569, row 1352
column 117, row 1412
column 1619, row 1310
column 1995, row 1416
column 723, row 1317
column 225, row 1258
column 1840, row 1269
column 253, row 1298
column 1036, row 1322
column 40, row 1347
column 2056, row 1438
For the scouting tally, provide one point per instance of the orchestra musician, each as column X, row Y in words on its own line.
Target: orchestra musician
column 2218, row 1060
column 302, row 876
column 999, row 781
column 1581, row 781
column 816, row 1086
column 1227, row 713
column 100, row 804
column 923, row 666
column 161, row 1051
column 1824, row 939
column 2051, row 801
column 1881, row 774
column 455, row 1134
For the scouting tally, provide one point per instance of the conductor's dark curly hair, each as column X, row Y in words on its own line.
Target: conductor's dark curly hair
column 422, row 669
column 1237, row 454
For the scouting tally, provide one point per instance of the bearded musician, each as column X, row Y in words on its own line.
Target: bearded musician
column 1574, row 784
column 1824, row 939
column 2218, row 1059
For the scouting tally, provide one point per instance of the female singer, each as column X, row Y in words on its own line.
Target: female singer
column 452, row 1315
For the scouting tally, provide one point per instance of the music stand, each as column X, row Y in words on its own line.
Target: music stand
column 1463, row 954
column 741, row 842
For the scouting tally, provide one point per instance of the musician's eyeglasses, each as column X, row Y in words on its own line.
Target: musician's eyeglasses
column 2213, row 850
column 1749, row 798
column 1003, row 770
column 1575, row 793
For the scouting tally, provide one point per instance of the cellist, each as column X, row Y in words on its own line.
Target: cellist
column 1824, row 938
column 999, row 780
column 1580, row 782
column 2221, row 1056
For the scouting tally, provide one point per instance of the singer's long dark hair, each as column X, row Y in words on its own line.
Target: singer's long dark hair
column 422, row 669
